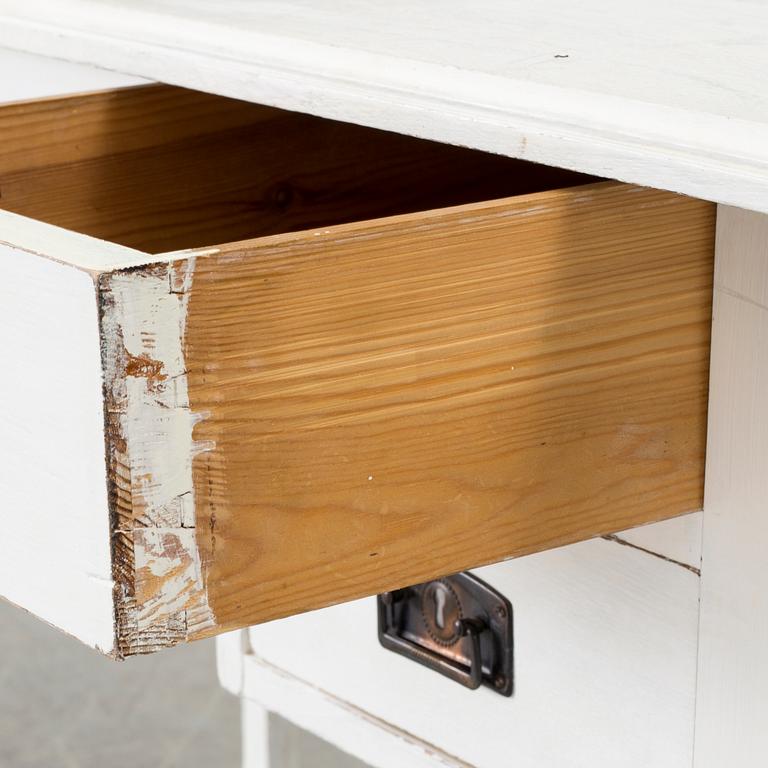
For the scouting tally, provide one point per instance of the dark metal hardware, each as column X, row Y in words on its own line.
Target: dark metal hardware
column 458, row 626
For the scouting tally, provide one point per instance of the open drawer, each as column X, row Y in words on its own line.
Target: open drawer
column 382, row 360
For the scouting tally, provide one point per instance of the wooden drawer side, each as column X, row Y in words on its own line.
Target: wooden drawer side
column 306, row 419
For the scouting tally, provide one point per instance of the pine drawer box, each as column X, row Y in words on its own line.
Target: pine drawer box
column 257, row 362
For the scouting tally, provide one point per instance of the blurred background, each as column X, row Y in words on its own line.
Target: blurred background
column 63, row 704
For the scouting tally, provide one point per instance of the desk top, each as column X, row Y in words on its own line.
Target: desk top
column 667, row 94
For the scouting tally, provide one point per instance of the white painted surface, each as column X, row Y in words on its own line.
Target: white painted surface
column 55, row 545
column 35, row 77
column 732, row 705
column 350, row 729
column 230, row 648
column 670, row 95
column 677, row 539
column 67, row 247
column 605, row 668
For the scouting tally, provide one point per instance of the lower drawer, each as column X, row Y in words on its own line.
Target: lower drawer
column 605, row 670
column 379, row 360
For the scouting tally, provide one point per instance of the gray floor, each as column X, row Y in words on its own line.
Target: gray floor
column 63, row 705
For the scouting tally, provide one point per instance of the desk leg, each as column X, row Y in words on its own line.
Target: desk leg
column 256, row 746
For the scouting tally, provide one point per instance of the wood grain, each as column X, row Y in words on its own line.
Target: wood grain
column 159, row 168
column 395, row 400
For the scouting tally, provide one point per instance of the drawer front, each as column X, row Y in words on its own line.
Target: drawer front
column 309, row 417
column 605, row 664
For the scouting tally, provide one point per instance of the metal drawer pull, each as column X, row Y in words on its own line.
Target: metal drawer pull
column 457, row 626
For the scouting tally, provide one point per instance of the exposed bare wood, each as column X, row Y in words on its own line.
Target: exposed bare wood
column 395, row 400
column 160, row 168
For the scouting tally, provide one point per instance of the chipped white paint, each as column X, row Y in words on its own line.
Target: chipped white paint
column 143, row 326
column 144, row 329
column 149, row 317
column 168, row 574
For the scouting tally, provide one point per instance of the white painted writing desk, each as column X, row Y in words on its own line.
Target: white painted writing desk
column 625, row 655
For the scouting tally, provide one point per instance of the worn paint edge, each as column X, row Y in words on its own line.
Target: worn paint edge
column 160, row 594
column 624, row 543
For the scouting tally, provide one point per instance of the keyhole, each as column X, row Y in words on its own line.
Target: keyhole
column 440, row 599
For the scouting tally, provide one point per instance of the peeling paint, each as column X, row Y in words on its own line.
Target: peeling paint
column 161, row 597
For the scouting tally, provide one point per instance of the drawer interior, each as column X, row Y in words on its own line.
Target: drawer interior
column 159, row 168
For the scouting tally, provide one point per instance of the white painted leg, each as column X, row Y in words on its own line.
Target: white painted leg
column 230, row 648
column 732, row 692
column 256, row 748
